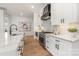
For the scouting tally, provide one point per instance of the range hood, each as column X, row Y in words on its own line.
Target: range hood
column 46, row 12
column 46, row 16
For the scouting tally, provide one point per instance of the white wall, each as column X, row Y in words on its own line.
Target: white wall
column 37, row 20
column 18, row 19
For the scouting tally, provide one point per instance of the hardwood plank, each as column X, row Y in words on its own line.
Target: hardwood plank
column 33, row 48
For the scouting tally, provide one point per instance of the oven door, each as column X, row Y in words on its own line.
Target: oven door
column 42, row 41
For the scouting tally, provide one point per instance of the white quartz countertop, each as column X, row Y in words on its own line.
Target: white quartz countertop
column 12, row 43
column 66, row 37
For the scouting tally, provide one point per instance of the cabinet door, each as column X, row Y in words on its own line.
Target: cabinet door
column 51, row 45
column 70, row 12
column 54, row 49
column 63, row 13
column 48, row 43
column 64, row 48
column 56, row 13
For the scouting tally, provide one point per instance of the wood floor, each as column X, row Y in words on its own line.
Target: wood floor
column 33, row 48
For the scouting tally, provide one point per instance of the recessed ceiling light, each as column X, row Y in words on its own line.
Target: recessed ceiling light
column 32, row 6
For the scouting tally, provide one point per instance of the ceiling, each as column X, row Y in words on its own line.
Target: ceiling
column 25, row 9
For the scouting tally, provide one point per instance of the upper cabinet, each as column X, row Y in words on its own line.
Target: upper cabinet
column 63, row 13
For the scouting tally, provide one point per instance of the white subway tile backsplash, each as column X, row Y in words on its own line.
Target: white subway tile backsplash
column 47, row 25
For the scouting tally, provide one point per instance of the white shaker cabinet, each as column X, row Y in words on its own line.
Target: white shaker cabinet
column 56, row 13
column 70, row 12
column 58, row 47
column 54, row 49
column 50, row 45
column 64, row 47
column 63, row 13
column 61, row 47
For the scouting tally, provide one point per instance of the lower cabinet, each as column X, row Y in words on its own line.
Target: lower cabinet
column 65, row 48
column 50, row 45
column 47, row 43
column 58, row 47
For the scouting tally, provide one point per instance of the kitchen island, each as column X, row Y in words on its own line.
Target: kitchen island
column 11, row 48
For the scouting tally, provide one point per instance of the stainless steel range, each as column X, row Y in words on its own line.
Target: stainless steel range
column 42, row 37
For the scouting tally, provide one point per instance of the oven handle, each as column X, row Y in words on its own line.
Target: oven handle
column 41, row 36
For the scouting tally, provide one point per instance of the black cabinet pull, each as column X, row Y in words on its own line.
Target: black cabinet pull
column 62, row 20
column 57, row 46
column 57, row 41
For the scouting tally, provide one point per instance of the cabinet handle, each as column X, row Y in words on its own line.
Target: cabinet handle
column 57, row 40
column 57, row 46
column 63, row 20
